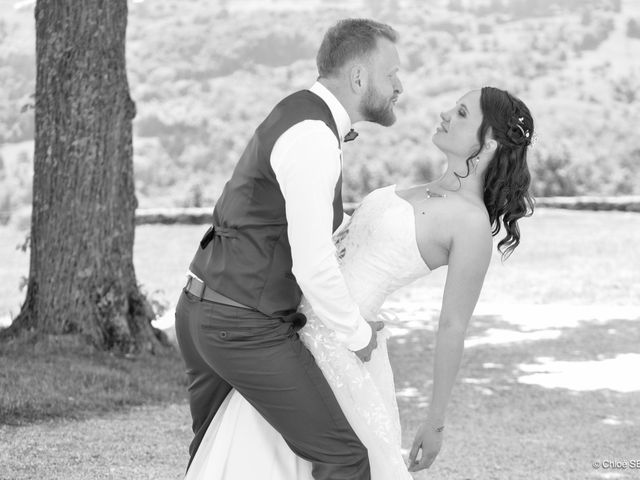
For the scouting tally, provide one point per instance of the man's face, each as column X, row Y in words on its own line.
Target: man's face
column 383, row 87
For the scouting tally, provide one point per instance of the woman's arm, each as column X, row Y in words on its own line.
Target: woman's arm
column 469, row 256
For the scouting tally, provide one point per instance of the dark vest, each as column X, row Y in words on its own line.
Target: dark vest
column 246, row 254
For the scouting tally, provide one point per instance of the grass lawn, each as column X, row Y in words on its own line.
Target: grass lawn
column 565, row 257
column 568, row 257
column 57, row 378
column 498, row 428
column 98, row 416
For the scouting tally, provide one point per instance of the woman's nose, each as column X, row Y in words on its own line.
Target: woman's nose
column 398, row 87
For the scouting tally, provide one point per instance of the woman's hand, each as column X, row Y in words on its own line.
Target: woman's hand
column 429, row 440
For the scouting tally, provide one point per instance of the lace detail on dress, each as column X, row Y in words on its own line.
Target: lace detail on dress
column 374, row 418
column 378, row 254
column 337, row 240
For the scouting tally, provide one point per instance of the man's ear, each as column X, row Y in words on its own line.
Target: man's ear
column 358, row 77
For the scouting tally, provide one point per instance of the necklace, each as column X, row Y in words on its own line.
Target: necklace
column 431, row 194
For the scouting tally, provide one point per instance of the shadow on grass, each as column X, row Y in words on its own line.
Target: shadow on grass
column 500, row 428
column 59, row 377
column 496, row 427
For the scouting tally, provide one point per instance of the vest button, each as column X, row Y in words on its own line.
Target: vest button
column 223, row 334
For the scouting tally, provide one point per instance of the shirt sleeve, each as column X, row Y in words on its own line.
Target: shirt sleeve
column 306, row 160
column 345, row 221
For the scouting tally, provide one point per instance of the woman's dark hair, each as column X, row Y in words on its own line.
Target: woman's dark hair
column 350, row 38
column 506, row 183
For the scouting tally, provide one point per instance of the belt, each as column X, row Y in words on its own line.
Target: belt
column 200, row 290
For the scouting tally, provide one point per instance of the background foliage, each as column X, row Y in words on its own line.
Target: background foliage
column 204, row 74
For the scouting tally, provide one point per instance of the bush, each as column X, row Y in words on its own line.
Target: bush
column 552, row 173
column 633, row 28
column 625, row 90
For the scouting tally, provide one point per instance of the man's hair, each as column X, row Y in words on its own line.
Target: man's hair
column 348, row 39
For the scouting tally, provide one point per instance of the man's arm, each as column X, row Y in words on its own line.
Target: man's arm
column 306, row 161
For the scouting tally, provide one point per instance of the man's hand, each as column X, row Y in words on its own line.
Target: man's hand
column 429, row 439
column 365, row 353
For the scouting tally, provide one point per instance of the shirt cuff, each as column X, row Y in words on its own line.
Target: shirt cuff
column 345, row 221
column 360, row 338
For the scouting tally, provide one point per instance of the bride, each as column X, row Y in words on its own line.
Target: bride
column 393, row 238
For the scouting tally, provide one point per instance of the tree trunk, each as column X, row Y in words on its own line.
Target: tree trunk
column 81, row 274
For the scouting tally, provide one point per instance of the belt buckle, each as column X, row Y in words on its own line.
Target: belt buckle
column 188, row 287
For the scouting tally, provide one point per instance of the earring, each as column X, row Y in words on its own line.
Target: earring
column 477, row 161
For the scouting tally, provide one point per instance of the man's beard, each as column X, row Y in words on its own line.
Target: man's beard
column 377, row 109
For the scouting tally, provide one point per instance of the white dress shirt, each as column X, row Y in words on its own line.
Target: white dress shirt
column 307, row 161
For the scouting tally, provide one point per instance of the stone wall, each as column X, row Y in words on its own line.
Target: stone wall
column 202, row 216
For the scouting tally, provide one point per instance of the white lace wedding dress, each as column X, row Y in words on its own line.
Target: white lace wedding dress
column 378, row 254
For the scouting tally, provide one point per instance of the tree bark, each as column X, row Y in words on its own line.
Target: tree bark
column 81, row 274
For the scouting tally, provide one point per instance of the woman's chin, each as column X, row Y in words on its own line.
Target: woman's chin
column 436, row 138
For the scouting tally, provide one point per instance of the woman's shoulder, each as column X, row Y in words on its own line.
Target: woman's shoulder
column 475, row 212
column 472, row 232
column 472, row 218
column 466, row 219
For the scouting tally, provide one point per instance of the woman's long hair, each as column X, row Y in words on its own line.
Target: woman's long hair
column 506, row 183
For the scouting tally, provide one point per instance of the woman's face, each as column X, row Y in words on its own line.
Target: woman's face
column 457, row 133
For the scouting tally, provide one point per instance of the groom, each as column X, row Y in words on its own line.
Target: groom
column 236, row 319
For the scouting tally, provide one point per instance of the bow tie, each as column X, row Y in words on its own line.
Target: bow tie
column 351, row 135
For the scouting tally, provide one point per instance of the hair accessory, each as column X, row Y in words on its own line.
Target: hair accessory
column 526, row 134
column 518, row 133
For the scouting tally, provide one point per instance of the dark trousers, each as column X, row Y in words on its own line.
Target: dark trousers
column 263, row 358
